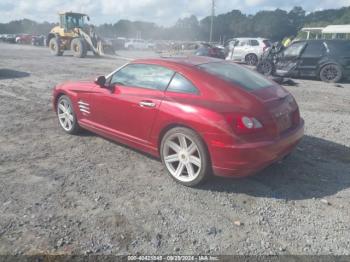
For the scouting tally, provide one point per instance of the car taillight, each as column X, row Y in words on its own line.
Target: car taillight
column 245, row 124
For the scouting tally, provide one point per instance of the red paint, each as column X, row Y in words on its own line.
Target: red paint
column 116, row 114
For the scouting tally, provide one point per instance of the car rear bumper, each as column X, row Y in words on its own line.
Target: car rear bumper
column 248, row 158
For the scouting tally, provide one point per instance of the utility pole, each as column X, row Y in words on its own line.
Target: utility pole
column 212, row 20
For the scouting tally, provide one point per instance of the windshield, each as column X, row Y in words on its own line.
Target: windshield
column 236, row 74
column 75, row 21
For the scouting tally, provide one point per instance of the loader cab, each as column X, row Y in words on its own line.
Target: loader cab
column 69, row 21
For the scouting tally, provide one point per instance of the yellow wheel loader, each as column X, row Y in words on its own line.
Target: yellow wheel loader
column 73, row 34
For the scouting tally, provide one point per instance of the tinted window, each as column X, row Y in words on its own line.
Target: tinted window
column 314, row 49
column 145, row 76
column 180, row 84
column 254, row 42
column 236, row 74
column 337, row 47
column 294, row 50
column 267, row 43
column 241, row 43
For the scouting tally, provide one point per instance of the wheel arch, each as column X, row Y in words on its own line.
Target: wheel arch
column 328, row 62
column 57, row 97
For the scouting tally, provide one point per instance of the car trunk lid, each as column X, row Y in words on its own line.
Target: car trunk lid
column 282, row 109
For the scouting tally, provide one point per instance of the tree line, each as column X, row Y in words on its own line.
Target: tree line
column 274, row 25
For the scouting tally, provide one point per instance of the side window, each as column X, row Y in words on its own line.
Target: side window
column 237, row 43
column 254, row 42
column 144, row 76
column 242, row 43
column 180, row 84
column 294, row 50
column 315, row 49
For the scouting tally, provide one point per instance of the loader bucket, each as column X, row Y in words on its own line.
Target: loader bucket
column 105, row 49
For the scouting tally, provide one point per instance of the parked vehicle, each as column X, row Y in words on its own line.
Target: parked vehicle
column 24, row 39
column 136, row 44
column 38, row 40
column 197, row 114
column 328, row 60
column 73, row 34
column 206, row 49
column 8, row 38
column 247, row 50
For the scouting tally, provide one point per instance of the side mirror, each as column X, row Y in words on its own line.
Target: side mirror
column 88, row 18
column 101, row 81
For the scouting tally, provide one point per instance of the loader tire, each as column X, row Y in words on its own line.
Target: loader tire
column 78, row 47
column 54, row 46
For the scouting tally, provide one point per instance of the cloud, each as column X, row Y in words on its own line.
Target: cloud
column 163, row 12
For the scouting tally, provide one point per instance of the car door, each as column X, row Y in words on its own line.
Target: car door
column 287, row 62
column 128, row 107
column 240, row 49
column 310, row 58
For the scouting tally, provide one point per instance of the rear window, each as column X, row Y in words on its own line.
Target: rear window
column 267, row 43
column 338, row 47
column 254, row 42
column 180, row 84
column 236, row 74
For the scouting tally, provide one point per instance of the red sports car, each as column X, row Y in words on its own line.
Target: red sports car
column 199, row 115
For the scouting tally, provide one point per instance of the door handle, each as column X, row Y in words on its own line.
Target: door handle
column 147, row 104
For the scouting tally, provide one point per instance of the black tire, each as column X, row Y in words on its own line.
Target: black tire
column 205, row 169
column 331, row 73
column 54, row 46
column 78, row 47
column 252, row 59
column 265, row 67
column 75, row 128
column 130, row 47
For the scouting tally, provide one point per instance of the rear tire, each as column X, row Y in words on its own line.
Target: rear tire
column 185, row 156
column 251, row 59
column 331, row 73
column 78, row 47
column 54, row 46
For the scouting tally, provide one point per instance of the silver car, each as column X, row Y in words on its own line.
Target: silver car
column 247, row 50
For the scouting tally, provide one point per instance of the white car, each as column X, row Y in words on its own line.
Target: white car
column 136, row 44
column 247, row 50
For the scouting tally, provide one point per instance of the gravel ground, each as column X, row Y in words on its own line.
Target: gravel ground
column 62, row 194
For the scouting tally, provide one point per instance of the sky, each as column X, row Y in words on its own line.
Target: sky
column 162, row 12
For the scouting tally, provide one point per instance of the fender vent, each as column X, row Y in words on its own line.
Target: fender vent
column 84, row 107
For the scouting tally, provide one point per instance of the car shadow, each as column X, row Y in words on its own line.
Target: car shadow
column 318, row 168
column 10, row 73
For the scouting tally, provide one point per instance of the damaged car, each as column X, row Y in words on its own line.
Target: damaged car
column 327, row 60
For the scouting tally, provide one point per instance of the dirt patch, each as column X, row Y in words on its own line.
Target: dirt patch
column 62, row 194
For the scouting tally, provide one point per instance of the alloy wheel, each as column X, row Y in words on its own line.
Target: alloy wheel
column 330, row 73
column 65, row 114
column 182, row 157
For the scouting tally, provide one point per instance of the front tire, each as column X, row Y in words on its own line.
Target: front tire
column 78, row 47
column 331, row 73
column 185, row 156
column 66, row 116
column 265, row 67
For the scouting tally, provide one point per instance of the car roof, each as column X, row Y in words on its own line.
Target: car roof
column 249, row 38
column 188, row 61
column 323, row 40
